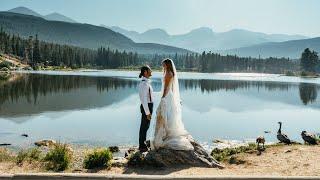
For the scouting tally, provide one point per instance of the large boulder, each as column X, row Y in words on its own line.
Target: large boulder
column 165, row 157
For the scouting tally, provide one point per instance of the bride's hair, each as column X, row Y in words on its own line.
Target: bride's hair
column 168, row 63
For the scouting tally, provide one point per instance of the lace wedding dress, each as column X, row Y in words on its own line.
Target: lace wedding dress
column 169, row 129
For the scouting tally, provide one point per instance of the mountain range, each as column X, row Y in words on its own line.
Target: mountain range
column 234, row 42
column 204, row 38
column 290, row 49
column 77, row 34
column 63, row 30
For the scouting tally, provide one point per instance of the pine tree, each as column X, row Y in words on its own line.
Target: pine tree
column 36, row 51
column 309, row 60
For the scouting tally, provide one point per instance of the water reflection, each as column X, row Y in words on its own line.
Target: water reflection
column 105, row 109
column 308, row 93
column 30, row 94
column 35, row 93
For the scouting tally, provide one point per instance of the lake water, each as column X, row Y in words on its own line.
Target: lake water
column 101, row 108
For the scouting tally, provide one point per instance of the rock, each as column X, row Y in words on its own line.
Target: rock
column 5, row 144
column 119, row 162
column 51, row 144
column 129, row 152
column 236, row 160
column 114, row 149
column 218, row 141
column 136, row 159
column 24, row 135
column 77, row 170
column 288, row 151
column 165, row 157
column 47, row 143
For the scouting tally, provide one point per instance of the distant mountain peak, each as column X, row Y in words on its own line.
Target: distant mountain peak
column 59, row 17
column 156, row 31
column 156, row 34
column 51, row 17
column 24, row 10
column 202, row 30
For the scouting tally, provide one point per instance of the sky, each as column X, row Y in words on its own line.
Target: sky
column 180, row 16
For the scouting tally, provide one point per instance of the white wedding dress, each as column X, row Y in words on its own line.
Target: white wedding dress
column 169, row 129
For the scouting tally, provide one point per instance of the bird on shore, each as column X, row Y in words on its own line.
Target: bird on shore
column 282, row 137
column 309, row 138
column 260, row 140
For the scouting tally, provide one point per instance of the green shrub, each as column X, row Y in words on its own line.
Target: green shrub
column 29, row 154
column 310, row 74
column 58, row 158
column 97, row 159
column 289, row 73
column 22, row 156
column 34, row 154
column 227, row 153
column 304, row 73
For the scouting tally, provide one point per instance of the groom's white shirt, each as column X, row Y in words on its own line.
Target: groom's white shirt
column 145, row 94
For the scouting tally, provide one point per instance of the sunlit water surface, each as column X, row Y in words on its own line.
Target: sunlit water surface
column 101, row 108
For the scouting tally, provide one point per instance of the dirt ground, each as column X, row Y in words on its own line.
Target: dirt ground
column 292, row 160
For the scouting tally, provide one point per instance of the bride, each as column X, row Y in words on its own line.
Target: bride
column 169, row 129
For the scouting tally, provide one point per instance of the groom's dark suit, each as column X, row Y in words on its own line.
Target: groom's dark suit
column 146, row 108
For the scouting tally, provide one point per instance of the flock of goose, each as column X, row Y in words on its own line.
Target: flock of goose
column 308, row 138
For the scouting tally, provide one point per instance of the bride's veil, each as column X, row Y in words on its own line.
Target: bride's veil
column 175, row 86
column 175, row 123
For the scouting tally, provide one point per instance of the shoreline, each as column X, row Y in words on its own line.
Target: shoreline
column 121, row 177
column 255, row 77
column 275, row 161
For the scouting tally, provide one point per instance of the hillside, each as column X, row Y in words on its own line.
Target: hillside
column 291, row 49
column 76, row 34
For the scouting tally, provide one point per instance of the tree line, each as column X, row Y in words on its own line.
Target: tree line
column 33, row 51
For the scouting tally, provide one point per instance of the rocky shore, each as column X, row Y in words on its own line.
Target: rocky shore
column 275, row 160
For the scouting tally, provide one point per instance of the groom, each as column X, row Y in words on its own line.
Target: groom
column 146, row 107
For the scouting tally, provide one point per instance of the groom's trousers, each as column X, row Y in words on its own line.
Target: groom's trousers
column 144, row 126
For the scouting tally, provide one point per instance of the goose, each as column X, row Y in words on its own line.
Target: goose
column 282, row 137
column 260, row 140
column 309, row 138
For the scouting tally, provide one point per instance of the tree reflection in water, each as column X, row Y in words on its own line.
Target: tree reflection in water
column 308, row 93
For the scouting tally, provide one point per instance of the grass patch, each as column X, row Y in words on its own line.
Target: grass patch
column 5, row 155
column 227, row 154
column 97, row 159
column 58, row 158
column 30, row 155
